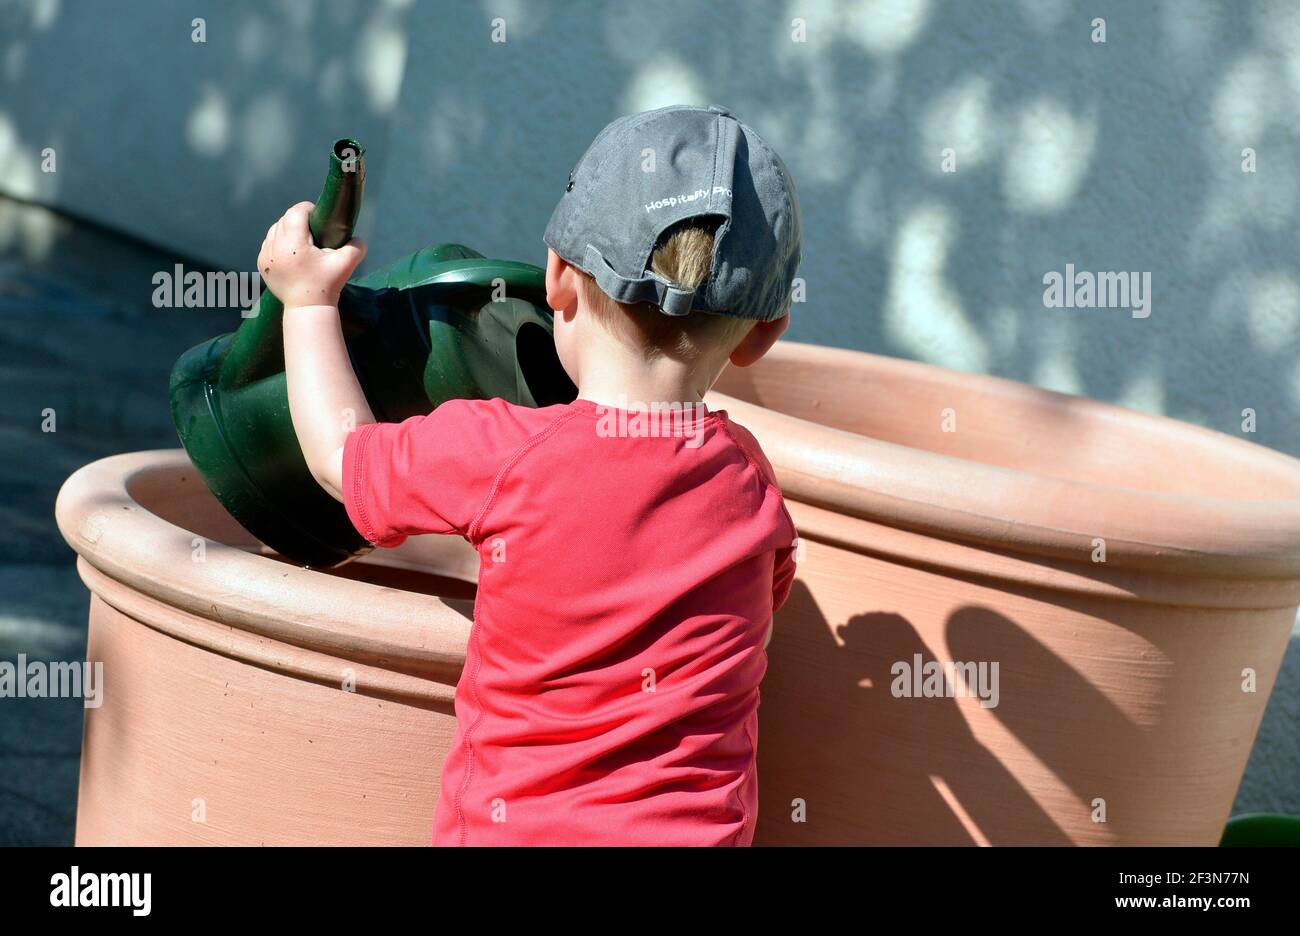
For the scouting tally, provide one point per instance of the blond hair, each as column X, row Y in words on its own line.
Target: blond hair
column 683, row 256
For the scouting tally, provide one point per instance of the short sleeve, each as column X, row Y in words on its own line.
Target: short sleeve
column 784, row 565
column 427, row 474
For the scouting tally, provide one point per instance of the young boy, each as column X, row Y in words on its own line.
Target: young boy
column 630, row 562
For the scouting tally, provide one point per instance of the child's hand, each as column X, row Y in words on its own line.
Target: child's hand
column 297, row 271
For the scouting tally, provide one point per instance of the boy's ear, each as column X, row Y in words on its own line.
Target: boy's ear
column 759, row 341
column 561, row 282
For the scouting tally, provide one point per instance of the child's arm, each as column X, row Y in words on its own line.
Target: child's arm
column 325, row 400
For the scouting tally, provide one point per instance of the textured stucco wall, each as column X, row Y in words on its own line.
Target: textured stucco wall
column 1122, row 156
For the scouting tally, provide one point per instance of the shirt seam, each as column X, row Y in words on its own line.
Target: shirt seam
column 362, row 441
column 753, row 463
column 751, row 772
column 711, row 418
column 475, row 528
column 767, row 483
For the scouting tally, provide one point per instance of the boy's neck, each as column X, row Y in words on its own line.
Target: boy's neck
column 618, row 378
column 630, row 394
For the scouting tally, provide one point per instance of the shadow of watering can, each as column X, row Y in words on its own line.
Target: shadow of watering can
column 443, row 323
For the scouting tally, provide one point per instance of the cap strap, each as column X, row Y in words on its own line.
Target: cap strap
column 674, row 300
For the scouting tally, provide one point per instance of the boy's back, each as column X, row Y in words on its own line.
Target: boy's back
column 627, row 583
column 629, row 563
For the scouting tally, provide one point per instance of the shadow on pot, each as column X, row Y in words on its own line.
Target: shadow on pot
column 864, row 752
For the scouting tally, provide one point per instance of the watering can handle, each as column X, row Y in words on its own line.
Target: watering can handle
column 522, row 280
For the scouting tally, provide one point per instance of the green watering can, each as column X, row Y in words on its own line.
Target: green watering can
column 443, row 323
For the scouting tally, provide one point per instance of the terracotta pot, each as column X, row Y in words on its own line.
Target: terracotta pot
column 1120, row 687
column 1121, row 682
column 280, row 705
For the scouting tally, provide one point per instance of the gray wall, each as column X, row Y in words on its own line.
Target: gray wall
column 1123, row 156
column 1114, row 157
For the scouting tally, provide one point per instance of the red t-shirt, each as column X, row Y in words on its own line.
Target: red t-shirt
column 629, row 569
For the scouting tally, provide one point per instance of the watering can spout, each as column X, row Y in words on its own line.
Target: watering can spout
column 334, row 218
column 442, row 323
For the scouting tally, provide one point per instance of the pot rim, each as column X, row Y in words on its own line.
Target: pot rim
column 1022, row 511
column 355, row 620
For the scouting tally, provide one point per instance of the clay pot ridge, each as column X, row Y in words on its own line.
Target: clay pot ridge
column 1026, row 471
column 118, row 512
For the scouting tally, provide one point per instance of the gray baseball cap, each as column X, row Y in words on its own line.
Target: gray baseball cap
column 705, row 163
